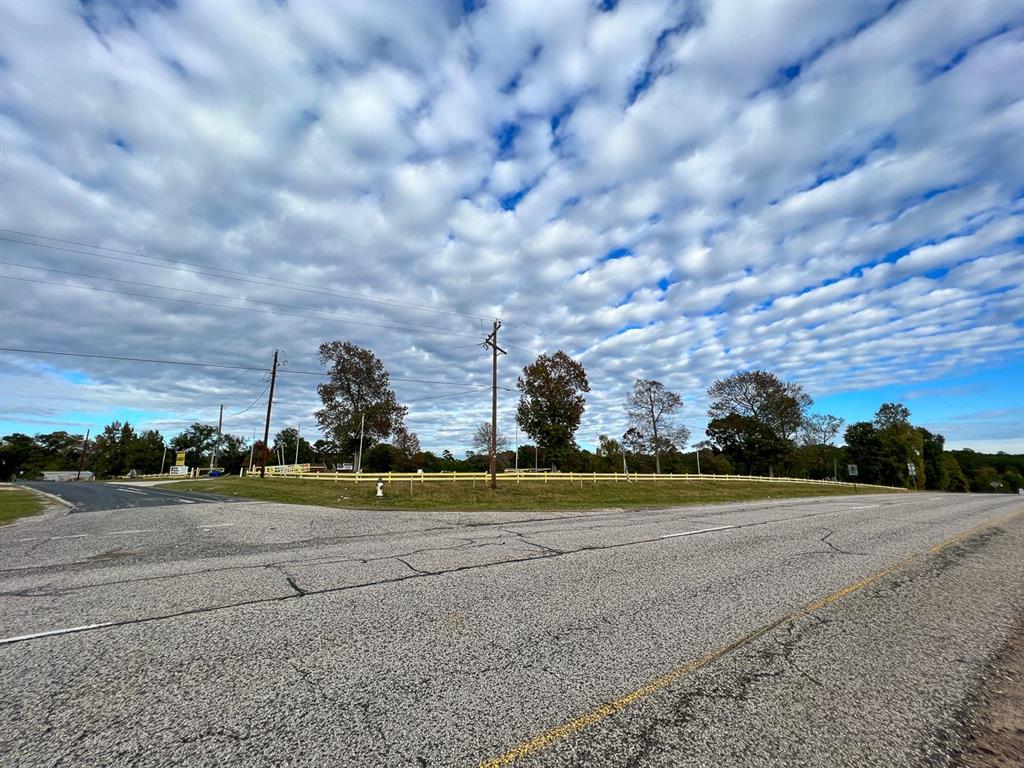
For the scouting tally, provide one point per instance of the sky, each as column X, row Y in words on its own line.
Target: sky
column 667, row 190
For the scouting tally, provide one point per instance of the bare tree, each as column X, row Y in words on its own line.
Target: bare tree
column 820, row 429
column 481, row 440
column 651, row 410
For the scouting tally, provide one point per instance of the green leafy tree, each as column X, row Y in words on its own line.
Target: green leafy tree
column 111, row 449
column 764, row 397
column 20, row 456
column 770, row 408
column 144, row 453
column 902, row 445
column 864, row 449
column 652, row 411
column 935, row 472
column 358, row 387
column 284, row 444
column 551, row 402
column 233, row 453
column 955, row 479
column 747, row 442
column 198, row 442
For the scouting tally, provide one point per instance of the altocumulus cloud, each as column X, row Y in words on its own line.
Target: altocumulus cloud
column 668, row 190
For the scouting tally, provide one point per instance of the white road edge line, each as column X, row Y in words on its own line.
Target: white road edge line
column 65, row 631
column 72, row 536
column 218, row 525
column 118, row 533
column 701, row 530
column 129, row 490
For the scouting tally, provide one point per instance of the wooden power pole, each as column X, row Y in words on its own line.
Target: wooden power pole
column 266, row 427
column 492, row 342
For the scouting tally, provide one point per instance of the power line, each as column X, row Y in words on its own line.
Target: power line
column 233, row 274
column 201, row 365
column 129, row 359
column 219, row 306
column 328, row 314
column 252, row 404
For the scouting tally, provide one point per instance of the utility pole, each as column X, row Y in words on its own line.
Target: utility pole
column 359, row 458
column 81, row 461
column 163, row 460
column 696, row 448
column 492, row 342
column 216, row 446
column 266, row 427
column 297, row 438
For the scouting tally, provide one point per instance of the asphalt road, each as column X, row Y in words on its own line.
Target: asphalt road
column 96, row 497
column 836, row 632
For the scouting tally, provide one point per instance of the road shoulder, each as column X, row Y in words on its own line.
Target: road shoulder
column 996, row 726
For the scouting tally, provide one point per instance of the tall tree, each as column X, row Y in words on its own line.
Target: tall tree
column 747, row 442
column 481, row 440
column 407, row 444
column 551, row 402
column 820, row 429
column 285, row 442
column 763, row 396
column 358, row 387
column 197, row 441
column 652, row 411
column 771, row 409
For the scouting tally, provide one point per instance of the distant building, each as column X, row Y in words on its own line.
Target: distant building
column 66, row 476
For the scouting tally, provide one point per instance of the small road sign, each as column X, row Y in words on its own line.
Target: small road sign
column 851, row 470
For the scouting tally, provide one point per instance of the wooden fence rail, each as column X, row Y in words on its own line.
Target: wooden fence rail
column 543, row 477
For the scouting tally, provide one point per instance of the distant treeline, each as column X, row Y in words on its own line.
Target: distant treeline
column 120, row 448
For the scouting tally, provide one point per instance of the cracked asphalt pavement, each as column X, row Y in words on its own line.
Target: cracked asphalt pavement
column 842, row 631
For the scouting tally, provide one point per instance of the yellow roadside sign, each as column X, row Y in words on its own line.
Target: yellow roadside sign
column 179, row 460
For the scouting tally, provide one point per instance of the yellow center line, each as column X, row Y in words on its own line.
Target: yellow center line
column 576, row 724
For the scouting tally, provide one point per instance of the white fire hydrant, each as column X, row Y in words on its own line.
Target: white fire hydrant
column 380, row 487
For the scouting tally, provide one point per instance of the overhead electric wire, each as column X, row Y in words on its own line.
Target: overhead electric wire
column 328, row 314
column 233, row 274
column 251, row 405
column 129, row 359
column 200, row 365
column 448, row 331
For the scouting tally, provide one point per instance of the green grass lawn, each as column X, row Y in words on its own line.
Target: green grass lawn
column 17, row 502
column 531, row 495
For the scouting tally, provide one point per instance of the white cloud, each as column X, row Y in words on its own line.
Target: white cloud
column 796, row 191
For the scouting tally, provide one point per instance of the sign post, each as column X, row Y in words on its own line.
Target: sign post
column 912, row 469
column 851, row 471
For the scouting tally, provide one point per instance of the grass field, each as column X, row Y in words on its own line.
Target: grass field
column 533, row 496
column 16, row 502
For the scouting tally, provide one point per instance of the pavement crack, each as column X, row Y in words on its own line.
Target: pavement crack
column 838, row 550
column 296, row 587
column 413, row 568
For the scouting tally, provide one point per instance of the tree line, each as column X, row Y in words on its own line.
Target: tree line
column 758, row 424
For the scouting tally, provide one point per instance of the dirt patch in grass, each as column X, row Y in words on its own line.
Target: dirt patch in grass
column 528, row 495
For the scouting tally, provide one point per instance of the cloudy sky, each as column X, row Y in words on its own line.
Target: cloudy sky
column 668, row 190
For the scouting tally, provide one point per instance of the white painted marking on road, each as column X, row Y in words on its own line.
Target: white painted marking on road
column 118, row 533
column 65, row 631
column 218, row 525
column 29, row 539
column 73, row 536
column 186, row 501
column 701, row 530
column 129, row 490
column 865, row 506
